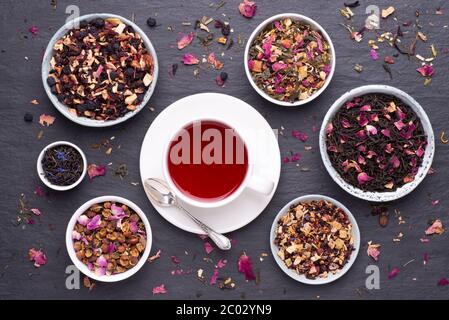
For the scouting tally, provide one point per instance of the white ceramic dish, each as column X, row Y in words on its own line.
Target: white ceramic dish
column 428, row 155
column 315, row 25
column 245, row 119
column 63, row 108
column 40, row 171
column 81, row 266
column 299, row 277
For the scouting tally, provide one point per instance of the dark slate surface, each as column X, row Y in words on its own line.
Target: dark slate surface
column 21, row 82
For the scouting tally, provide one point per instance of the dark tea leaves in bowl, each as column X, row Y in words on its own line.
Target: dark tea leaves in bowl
column 376, row 142
column 62, row 165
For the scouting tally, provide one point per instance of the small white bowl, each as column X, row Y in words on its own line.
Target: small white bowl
column 428, row 155
column 41, row 174
column 81, row 266
column 62, row 107
column 300, row 277
column 315, row 25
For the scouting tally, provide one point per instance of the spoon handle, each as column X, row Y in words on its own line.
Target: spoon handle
column 220, row 240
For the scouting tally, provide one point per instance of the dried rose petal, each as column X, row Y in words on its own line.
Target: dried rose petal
column 251, row 64
column 426, row 70
column 96, row 171
column 435, row 228
column 329, row 128
column 374, row 55
column 363, row 178
column 34, row 30
column 208, row 247
column 435, row 202
column 94, row 223
column 296, row 157
column 213, row 279
column 395, row 162
column 184, row 40
column 159, row 290
column 101, row 262
column 366, row 107
column 386, row 132
column 38, row 256
column 37, row 212
column 83, row 220
column 286, row 160
column 248, row 8
column 443, row 282
column 278, row 66
column 245, row 266
column 154, row 257
column 373, row 250
column 300, row 136
column 222, row 263
column 39, row 192
column 420, row 151
column 190, row 59
column 393, row 273
column 76, row 235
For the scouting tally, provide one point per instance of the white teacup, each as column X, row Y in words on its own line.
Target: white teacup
column 250, row 181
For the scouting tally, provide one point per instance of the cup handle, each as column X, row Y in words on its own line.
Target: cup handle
column 260, row 185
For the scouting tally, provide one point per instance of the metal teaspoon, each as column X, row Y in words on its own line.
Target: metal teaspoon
column 163, row 196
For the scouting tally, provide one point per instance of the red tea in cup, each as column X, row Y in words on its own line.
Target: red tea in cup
column 207, row 161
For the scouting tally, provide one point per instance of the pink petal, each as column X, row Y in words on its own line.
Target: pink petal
column 373, row 54
column 345, row 123
column 248, row 8
column 395, row 162
column 94, row 223
column 102, row 262
column 34, row 30
column 443, row 282
column 159, row 290
column 435, row 202
column 363, row 121
column 278, row 66
column 371, row 129
column 389, row 148
column 286, row 160
column 38, row 256
column 190, row 59
column 360, row 134
column 111, row 247
column 221, row 263
column 386, row 132
column 100, row 271
column 96, row 171
column 363, row 178
column 213, row 279
column 208, row 247
column 37, row 212
column 426, row 70
column 300, row 136
column 117, row 213
column 133, row 226
column 83, row 220
column 399, row 124
column 245, row 266
column 420, row 151
column 76, row 235
column 184, row 40
column 436, row 227
column 366, row 107
column 296, row 157
column 373, row 251
column 251, row 65
column 393, row 273
column 39, row 192
column 175, row 259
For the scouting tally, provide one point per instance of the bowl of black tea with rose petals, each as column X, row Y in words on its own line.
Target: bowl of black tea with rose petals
column 61, row 165
column 377, row 143
column 289, row 59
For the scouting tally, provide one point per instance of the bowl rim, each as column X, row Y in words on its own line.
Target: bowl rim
column 40, row 171
column 428, row 155
column 62, row 108
column 81, row 266
column 316, row 26
column 331, row 277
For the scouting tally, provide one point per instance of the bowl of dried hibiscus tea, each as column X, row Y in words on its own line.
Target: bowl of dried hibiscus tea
column 289, row 59
column 377, row 143
column 99, row 70
column 315, row 239
column 109, row 238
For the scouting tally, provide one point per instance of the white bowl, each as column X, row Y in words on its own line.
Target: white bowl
column 81, row 266
column 41, row 174
column 315, row 25
column 62, row 107
column 428, row 155
column 300, row 277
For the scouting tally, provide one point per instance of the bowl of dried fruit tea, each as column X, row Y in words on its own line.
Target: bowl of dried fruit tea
column 109, row 238
column 377, row 143
column 61, row 165
column 289, row 59
column 315, row 239
column 99, row 70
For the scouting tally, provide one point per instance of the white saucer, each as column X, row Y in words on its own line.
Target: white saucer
column 243, row 118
